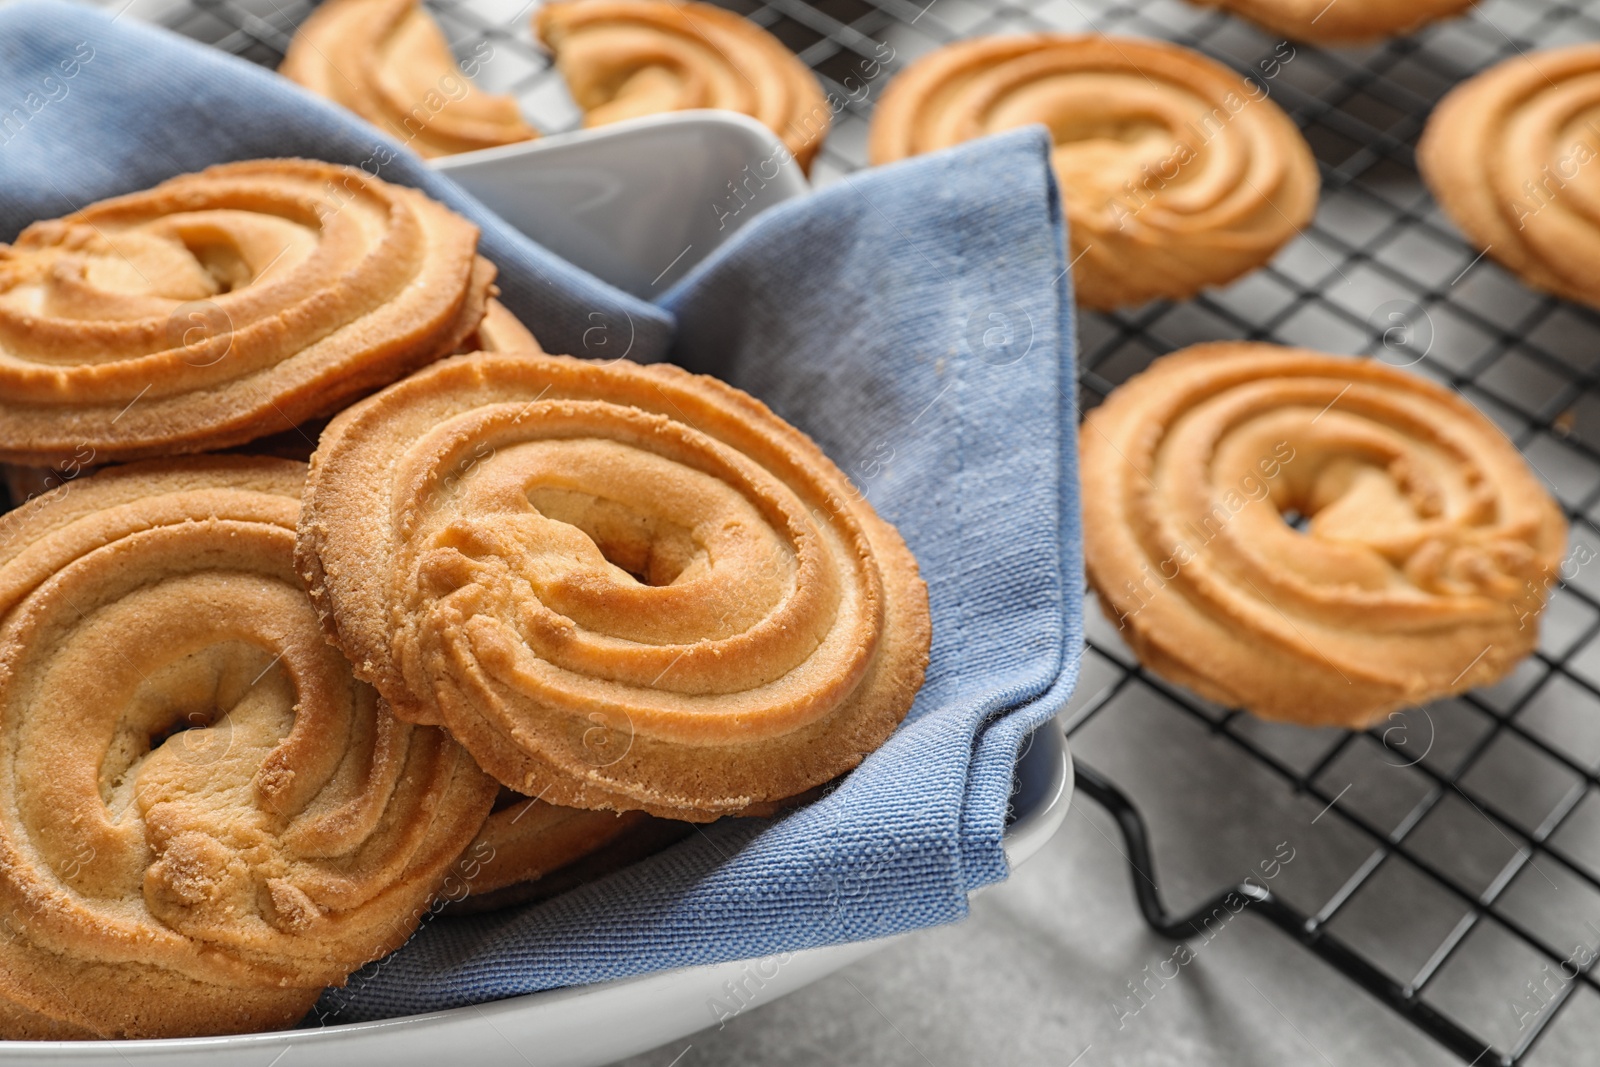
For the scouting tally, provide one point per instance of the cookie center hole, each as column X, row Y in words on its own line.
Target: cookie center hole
column 182, row 723
column 653, row 550
column 222, row 260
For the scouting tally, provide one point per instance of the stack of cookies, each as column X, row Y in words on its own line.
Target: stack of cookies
column 522, row 619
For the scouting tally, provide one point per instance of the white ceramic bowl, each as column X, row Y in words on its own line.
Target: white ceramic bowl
column 637, row 202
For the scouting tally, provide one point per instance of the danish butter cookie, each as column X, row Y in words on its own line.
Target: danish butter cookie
column 627, row 58
column 206, row 818
column 1511, row 157
column 387, row 61
column 1426, row 553
column 621, row 587
column 224, row 306
column 1177, row 173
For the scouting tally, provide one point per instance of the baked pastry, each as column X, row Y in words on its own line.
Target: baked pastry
column 223, row 306
column 1423, row 565
column 1507, row 152
column 621, row 587
column 529, row 850
column 387, row 61
column 1177, row 173
column 207, row 819
column 1341, row 21
column 500, row 331
column 626, row 58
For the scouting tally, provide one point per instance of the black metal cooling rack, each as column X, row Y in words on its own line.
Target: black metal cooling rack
column 1379, row 272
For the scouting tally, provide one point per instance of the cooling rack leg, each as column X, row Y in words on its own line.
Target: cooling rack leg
column 1263, row 902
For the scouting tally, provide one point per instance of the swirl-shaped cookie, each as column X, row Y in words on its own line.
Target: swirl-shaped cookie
column 1177, row 173
column 387, row 61
column 223, row 306
column 626, row 58
column 204, row 817
column 1341, row 21
column 1421, row 571
column 501, row 331
column 620, row 587
column 1510, row 155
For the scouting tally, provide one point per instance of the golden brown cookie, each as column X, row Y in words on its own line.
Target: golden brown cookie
column 626, row 58
column 387, row 61
column 1177, row 173
column 224, row 306
column 621, row 587
column 501, row 331
column 529, row 850
column 1341, row 21
column 206, row 818
column 1421, row 571
column 1510, row 155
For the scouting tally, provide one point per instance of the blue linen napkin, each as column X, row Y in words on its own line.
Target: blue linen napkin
column 916, row 320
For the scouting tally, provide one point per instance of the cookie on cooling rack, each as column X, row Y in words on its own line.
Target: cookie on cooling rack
column 1341, row 21
column 1177, row 173
column 621, row 587
column 387, row 61
column 1425, row 563
column 625, row 58
column 1511, row 156
column 223, row 306
column 207, row 819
